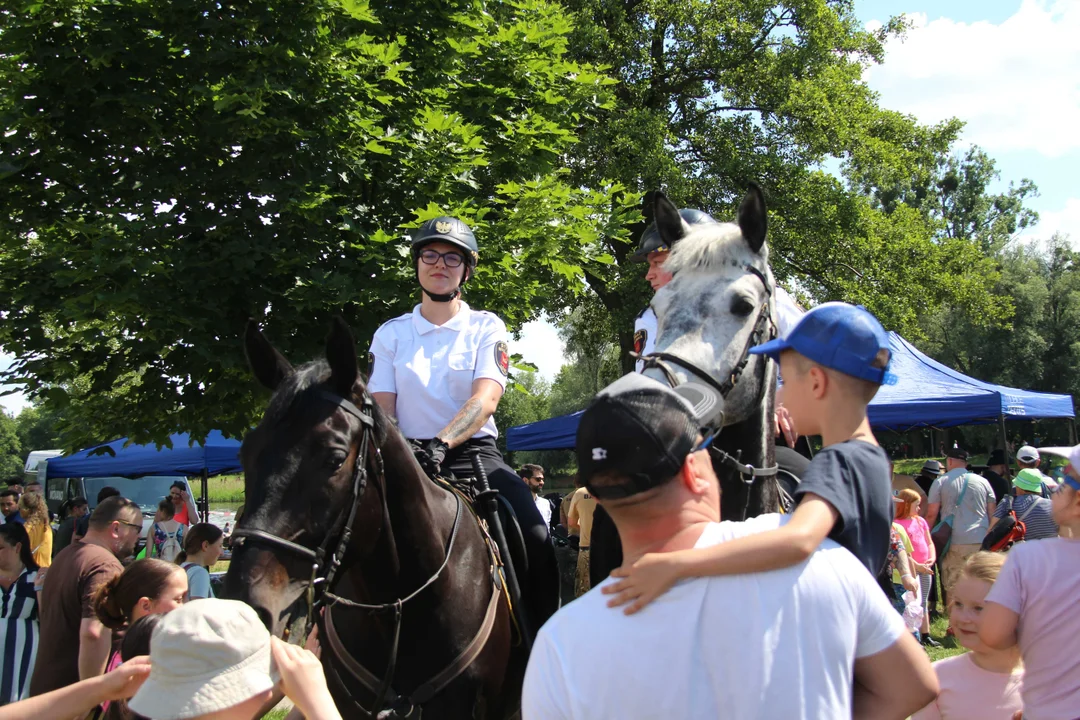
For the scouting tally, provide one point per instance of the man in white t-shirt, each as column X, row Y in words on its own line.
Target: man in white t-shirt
column 533, row 476
column 815, row 640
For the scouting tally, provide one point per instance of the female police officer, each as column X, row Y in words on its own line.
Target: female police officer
column 441, row 370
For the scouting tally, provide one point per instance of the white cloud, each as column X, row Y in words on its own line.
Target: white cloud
column 540, row 345
column 1066, row 221
column 1015, row 84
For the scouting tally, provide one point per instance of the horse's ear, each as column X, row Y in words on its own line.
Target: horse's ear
column 753, row 218
column 270, row 366
column 341, row 354
column 668, row 221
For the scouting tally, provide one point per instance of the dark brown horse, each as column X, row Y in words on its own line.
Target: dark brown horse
column 411, row 608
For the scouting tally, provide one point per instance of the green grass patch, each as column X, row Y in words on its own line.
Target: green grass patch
column 949, row 646
column 226, row 489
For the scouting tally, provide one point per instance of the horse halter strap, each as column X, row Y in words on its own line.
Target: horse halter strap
column 342, row 529
column 762, row 323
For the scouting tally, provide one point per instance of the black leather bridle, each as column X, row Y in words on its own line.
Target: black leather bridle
column 764, row 329
column 325, row 566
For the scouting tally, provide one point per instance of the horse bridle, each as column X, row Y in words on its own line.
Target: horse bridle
column 342, row 531
column 763, row 325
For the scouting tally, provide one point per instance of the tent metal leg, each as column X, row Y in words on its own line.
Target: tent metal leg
column 1072, row 431
column 1004, row 445
column 204, row 501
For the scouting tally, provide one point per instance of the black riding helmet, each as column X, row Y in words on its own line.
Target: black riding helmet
column 651, row 240
column 448, row 230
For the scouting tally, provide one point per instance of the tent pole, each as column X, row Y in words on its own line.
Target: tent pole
column 1005, row 445
column 1072, row 431
column 204, row 501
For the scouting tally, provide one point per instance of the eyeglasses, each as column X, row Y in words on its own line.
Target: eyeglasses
column 706, row 442
column 137, row 527
column 451, row 259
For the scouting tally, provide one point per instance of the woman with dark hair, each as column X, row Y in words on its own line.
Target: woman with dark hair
column 145, row 587
column 203, row 544
column 18, row 613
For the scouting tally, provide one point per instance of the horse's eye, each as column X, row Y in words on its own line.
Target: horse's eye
column 336, row 459
column 742, row 307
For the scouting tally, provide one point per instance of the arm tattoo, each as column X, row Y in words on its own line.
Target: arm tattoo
column 469, row 419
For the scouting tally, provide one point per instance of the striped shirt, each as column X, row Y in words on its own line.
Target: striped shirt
column 18, row 637
column 1038, row 524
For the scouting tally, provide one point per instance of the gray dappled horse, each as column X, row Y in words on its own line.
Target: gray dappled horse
column 720, row 303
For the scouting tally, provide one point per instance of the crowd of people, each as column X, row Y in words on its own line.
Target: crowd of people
column 817, row 613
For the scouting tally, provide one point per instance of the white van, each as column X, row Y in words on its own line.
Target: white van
column 35, row 462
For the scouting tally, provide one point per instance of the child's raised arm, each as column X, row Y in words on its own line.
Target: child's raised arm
column 654, row 573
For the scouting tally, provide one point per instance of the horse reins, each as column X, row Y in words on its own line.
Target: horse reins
column 342, row 530
column 763, row 325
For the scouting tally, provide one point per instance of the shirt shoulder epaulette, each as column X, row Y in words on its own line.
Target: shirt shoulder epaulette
column 643, row 311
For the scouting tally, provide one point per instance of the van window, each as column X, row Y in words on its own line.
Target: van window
column 147, row 491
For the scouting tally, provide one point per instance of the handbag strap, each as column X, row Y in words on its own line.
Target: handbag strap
column 963, row 492
column 1030, row 508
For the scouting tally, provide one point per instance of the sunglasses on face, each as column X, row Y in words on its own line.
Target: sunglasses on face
column 450, row 259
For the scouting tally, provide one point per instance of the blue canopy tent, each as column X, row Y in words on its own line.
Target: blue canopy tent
column 214, row 454
column 927, row 394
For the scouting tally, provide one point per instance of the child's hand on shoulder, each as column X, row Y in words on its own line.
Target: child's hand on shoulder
column 644, row 581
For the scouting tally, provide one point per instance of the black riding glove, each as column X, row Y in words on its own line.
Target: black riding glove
column 431, row 456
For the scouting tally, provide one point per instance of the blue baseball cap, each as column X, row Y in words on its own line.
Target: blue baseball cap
column 840, row 337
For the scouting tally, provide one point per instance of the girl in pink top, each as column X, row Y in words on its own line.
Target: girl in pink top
column 922, row 551
column 983, row 684
column 1033, row 604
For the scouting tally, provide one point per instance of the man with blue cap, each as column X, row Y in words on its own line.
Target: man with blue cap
column 833, row 363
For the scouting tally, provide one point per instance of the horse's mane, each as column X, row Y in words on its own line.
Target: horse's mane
column 711, row 246
column 292, row 388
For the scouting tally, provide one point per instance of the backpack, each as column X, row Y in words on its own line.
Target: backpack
column 1008, row 531
column 168, row 544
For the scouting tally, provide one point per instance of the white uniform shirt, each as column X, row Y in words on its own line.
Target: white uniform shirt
column 431, row 368
column 771, row 645
column 644, row 335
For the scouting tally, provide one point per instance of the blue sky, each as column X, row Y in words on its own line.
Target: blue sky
column 1008, row 68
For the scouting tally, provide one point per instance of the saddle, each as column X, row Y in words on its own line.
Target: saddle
column 508, row 546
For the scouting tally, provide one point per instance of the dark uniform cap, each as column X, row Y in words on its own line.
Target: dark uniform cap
column 448, row 230
column 651, row 240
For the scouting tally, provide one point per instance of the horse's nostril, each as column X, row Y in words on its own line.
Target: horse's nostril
column 266, row 617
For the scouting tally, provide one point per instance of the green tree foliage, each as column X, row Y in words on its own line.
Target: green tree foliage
column 173, row 168
column 37, row 429
column 528, row 399
column 712, row 94
column 1040, row 348
column 11, row 455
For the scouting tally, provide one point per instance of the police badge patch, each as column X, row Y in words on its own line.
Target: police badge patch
column 502, row 357
column 443, row 227
column 639, row 340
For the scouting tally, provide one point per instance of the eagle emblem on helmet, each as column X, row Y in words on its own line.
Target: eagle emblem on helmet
column 443, row 227
column 639, row 340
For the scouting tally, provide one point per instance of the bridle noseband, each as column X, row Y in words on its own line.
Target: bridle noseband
column 326, row 598
column 764, row 329
column 342, row 528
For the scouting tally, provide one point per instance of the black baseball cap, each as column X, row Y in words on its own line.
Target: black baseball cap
column 957, row 453
column 641, row 430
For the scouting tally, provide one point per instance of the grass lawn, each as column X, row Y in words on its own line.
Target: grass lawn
column 226, row 489
column 949, row 646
